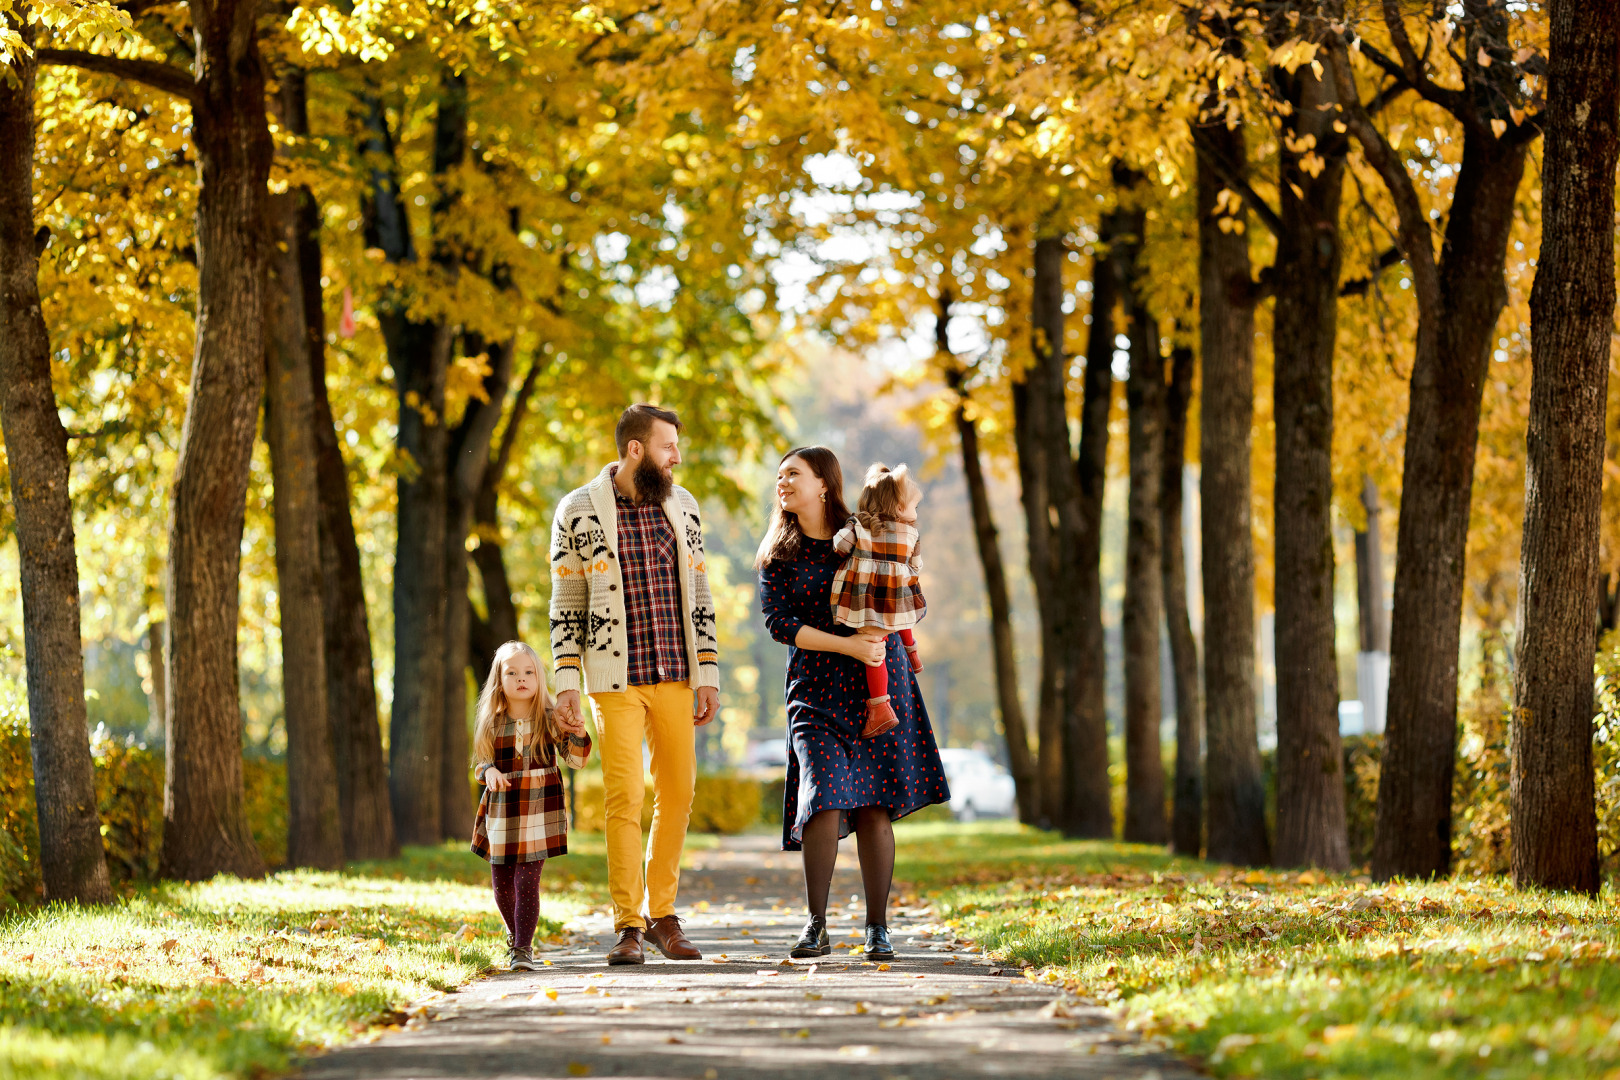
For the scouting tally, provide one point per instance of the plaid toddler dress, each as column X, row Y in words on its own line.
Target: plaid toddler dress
column 877, row 586
column 529, row 820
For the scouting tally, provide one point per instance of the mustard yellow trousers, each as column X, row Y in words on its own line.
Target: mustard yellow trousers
column 662, row 714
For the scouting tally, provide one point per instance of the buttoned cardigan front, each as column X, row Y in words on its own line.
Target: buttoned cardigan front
column 589, row 645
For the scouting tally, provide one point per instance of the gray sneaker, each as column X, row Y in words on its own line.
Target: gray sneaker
column 521, row 959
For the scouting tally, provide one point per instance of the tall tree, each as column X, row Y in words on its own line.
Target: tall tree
column 314, row 832
column 205, row 831
column 71, row 858
column 1187, row 802
column 1088, row 808
column 995, row 575
column 1226, row 300
column 1310, row 184
column 351, row 688
column 1144, row 599
column 1459, row 294
column 1572, row 319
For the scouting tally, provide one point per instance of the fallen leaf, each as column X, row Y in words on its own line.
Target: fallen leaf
column 578, row 1068
column 167, row 947
column 883, row 967
column 606, row 1039
column 550, row 993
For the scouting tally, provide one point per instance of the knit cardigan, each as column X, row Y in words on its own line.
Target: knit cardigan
column 589, row 643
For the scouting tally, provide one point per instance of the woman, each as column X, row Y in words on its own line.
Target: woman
column 837, row 782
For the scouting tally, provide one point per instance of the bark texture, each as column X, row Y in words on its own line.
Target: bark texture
column 71, row 859
column 1572, row 318
column 1088, row 809
column 1235, row 787
column 205, row 831
column 1310, row 780
column 995, row 580
column 351, row 688
column 1187, row 803
column 1460, row 295
column 1144, row 601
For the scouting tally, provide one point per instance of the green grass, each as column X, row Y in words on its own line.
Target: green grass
column 1286, row 975
column 236, row 978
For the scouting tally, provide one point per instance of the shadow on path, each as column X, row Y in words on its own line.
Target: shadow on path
column 937, row 1011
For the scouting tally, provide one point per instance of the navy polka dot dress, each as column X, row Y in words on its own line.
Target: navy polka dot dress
column 830, row 767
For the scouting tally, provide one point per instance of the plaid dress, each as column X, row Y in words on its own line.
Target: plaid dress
column 529, row 820
column 878, row 586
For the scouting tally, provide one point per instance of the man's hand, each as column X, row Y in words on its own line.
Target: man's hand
column 569, row 714
column 706, row 706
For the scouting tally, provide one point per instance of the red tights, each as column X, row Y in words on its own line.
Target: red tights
column 877, row 678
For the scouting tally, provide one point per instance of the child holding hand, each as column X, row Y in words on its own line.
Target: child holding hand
column 878, row 585
column 523, row 811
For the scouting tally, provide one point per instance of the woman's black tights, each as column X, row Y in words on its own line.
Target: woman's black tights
column 874, row 839
column 517, row 894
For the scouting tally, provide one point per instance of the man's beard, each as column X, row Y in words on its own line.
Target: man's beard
column 653, row 484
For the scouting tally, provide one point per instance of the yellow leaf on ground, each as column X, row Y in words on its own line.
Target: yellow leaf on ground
column 578, row 1068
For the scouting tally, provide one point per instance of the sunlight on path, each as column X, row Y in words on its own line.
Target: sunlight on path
column 939, row 1010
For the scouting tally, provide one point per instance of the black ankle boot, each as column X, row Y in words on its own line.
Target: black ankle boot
column 877, row 942
column 814, row 941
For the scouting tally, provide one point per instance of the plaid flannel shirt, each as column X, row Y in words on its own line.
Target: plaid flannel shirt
column 652, row 594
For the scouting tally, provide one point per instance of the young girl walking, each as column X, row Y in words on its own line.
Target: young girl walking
column 877, row 587
column 523, row 811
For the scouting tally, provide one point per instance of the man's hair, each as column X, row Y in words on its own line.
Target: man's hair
column 636, row 423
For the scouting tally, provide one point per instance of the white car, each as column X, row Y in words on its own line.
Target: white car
column 979, row 786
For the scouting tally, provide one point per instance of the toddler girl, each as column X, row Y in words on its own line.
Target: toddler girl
column 522, row 811
column 877, row 587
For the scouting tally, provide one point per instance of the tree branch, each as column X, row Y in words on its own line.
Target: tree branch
column 1412, row 66
column 1359, row 286
column 159, row 76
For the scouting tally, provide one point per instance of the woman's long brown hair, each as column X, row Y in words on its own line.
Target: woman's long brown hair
column 785, row 536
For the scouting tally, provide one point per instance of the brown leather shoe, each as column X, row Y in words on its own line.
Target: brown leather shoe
column 668, row 938
column 880, row 718
column 628, row 950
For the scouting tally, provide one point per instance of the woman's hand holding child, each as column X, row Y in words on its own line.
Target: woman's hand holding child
column 869, row 648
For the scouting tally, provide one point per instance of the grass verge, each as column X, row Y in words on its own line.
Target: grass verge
column 237, row 978
column 1284, row 974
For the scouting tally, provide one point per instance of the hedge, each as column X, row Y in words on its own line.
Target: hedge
column 722, row 803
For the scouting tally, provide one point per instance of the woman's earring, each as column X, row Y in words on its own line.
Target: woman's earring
column 823, row 496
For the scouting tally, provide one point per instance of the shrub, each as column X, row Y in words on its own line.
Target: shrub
column 1362, row 756
column 129, row 799
column 264, row 800
column 20, row 882
column 722, row 803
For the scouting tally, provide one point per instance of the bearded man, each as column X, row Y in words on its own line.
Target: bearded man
column 632, row 618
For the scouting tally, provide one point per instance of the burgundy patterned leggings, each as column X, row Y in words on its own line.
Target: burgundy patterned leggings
column 517, row 894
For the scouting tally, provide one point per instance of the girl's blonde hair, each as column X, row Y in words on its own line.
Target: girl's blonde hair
column 883, row 494
column 493, row 707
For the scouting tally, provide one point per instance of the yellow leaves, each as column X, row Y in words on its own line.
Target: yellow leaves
column 1498, row 127
column 1291, row 54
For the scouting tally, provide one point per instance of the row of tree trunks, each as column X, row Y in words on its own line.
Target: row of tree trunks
column 1088, row 809
column 71, row 858
column 1572, row 306
column 1187, row 800
column 1459, row 295
column 1310, row 782
column 1022, row 764
column 1144, row 583
column 1235, row 788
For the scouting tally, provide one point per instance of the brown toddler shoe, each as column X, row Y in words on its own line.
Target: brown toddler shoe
column 880, row 718
column 916, row 661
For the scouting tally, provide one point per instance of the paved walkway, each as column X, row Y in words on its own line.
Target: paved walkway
column 939, row 1010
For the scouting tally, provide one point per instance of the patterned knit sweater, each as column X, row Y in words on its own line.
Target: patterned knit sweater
column 589, row 645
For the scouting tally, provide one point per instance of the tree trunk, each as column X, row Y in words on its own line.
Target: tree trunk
column 1236, row 789
column 1372, row 662
column 469, row 460
column 71, row 858
column 205, row 831
column 502, row 625
column 1413, row 836
column 1187, row 815
column 351, row 688
column 1572, row 316
column 1034, row 443
column 1310, row 780
column 314, row 832
column 995, row 582
column 158, row 703
column 1144, row 394
column 1088, row 811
